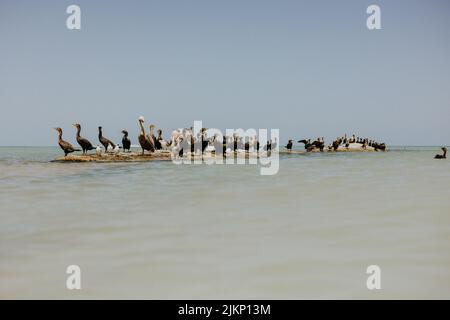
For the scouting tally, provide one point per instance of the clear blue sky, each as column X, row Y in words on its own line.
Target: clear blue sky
column 310, row 68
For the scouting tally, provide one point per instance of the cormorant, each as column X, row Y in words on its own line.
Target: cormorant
column 442, row 156
column 289, row 144
column 104, row 141
column 65, row 146
column 84, row 143
column 158, row 145
column 143, row 139
column 126, row 142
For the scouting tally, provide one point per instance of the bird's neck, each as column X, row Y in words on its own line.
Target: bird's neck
column 60, row 136
column 78, row 131
column 100, row 133
column 142, row 128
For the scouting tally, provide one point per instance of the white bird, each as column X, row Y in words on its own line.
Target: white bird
column 116, row 150
column 110, row 148
column 98, row 150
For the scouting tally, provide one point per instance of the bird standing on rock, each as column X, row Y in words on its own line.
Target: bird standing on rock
column 84, row 143
column 65, row 146
column 126, row 142
column 104, row 141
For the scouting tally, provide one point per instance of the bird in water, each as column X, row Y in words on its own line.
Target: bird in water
column 104, row 141
column 442, row 156
column 290, row 144
column 126, row 142
column 65, row 146
column 84, row 143
column 145, row 143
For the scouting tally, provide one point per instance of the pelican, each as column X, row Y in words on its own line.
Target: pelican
column 145, row 143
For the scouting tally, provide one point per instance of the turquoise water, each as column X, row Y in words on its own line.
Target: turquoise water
column 159, row 230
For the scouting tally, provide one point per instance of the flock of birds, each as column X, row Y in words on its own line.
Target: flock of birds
column 184, row 139
column 181, row 139
column 319, row 144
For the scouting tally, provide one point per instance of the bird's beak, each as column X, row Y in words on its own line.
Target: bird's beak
column 73, row 124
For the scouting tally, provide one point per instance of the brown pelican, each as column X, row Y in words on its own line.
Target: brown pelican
column 151, row 135
column 65, row 146
column 104, row 141
column 143, row 139
column 84, row 143
column 442, row 156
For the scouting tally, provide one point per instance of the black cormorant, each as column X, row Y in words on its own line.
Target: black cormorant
column 289, row 144
column 442, row 156
column 126, row 142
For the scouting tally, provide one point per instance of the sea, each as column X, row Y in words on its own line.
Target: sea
column 157, row 230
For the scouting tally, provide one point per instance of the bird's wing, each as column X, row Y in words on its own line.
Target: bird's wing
column 66, row 146
column 86, row 142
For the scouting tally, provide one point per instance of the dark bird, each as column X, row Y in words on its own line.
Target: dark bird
column 104, row 141
column 268, row 146
column 84, row 143
column 143, row 139
column 65, row 146
column 442, row 156
column 308, row 145
column 126, row 142
column 157, row 140
column 290, row 144
column 379, row 146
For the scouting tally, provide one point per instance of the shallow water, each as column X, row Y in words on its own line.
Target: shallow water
column 158, row 230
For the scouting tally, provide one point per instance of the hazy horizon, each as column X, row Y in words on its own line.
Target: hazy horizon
column 308, row 68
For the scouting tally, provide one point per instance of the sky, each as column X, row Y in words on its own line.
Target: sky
column 308, row 68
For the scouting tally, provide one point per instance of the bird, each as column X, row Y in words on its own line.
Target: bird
column 151, row 136
column 126, row 142
column 442, row 156
column 65, row 146
column 164, row 144
column 116, row 149
column 104, row 141
column 289, row 144
column 84, row 143
column 98, row 150
column 143, row 139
